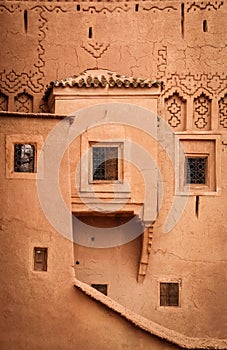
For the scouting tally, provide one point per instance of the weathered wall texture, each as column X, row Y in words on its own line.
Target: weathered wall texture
column 43, row 310
column 193, row 252
column 180, row 43
column 183, row 44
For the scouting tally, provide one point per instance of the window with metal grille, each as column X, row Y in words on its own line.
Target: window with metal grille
column 105, row 163
column 102, row 288
column 196, row 170
column 24, row 158
column 40, row 259
column 169, row 294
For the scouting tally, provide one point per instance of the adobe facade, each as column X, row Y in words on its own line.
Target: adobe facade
column 113, row 175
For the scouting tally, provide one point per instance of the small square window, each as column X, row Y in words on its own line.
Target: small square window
column 198, row 163
column 24, row 158
column 22, row 154
column 105, row 163
column 196, row 170
column 169, row 294
column 40, row 259
column 102, row 288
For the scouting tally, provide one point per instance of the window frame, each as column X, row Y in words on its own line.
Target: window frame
column 206, row 184
column 198, row 145
column 11, row 141
column 119, row 146
column 33, row 148
column 170, row 280
column 36, row 264
column 168, row 296
column 88, row 189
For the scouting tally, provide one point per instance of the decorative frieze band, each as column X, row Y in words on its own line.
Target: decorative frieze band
column 192, row 102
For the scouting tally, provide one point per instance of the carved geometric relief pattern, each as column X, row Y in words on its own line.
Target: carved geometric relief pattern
column 205, row 5
column 107, row 8
column 190, row 84
column 95, row 49
column 222, row 104
column 155, row 8
column 121, row 7
column 202, row 112
column 23, row 103
column 12, row 81
column 175, row 108
column 3, row 102
column 162, row 61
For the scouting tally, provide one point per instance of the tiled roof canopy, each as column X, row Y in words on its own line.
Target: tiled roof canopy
column 101, row 78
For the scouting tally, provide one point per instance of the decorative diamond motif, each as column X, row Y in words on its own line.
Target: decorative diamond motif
column 223, row 111
column 24, row 103
column 201, row 123
column 224, row 123
column 175, row 107
column 201, row 109
column 202, row 114
column 174, row 121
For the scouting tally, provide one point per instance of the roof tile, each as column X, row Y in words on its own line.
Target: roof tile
column 101, row 78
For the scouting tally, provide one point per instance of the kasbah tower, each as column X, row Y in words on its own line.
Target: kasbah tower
column 113, row 168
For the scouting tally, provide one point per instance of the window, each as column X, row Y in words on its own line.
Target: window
column 196, row 170
column 101, row 168
column 23, row 153
column 102, row 288
column 105, row 163
column 24, row 158
column 169, row 294
column 40, row 259
column 198, row 165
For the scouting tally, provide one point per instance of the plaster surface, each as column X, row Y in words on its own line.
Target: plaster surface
column 182, row 45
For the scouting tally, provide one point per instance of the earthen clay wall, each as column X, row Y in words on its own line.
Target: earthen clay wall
column 181, row 44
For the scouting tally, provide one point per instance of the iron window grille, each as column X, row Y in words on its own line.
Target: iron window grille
column 105, row 163
column 169, row 294
column 24, row 158
column 196, row 170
